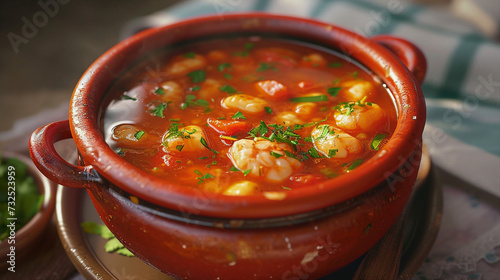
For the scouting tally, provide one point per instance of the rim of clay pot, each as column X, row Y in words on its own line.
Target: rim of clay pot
column 86, row 112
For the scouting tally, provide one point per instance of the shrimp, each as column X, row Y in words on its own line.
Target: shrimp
column 245, row 103
column 184, row 65
column 314, row 59
column 209, row 88
column 288, row 119
column 360, row 116
column 306, row 109
column 186, row 139
column 264, row 158
column 335, row 143
column 242, row 188
column 357, row 90
column 170, row 91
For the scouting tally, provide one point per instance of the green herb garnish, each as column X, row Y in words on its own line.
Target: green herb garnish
column 274, row 154
column 355, row 164
column 268, row 110
column 190, row 54
column 205, row 144
column 377, row 140
column 223, row 66
column 239, row 115
column 264, row 66
column 191, row 101
column 334, row 64
column 160, row 91
column 126, row 97
column 333, row 91
column 197, row 76
column 315, row 98
column 227, row 88
column 159, row 108
column 139, row 134
column 113, row 244
column 16, row 182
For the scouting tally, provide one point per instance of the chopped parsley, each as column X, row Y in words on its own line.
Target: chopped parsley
column 160, row 91
column 197, row 76
column 332, row 152
column 139, row 134
column 112, row 244
column 126, row 97
column 274, row 154
column 195, row 88
column 333, row 91
column 334, row 64
column 205, row 144
column 191, row 101
column 202, row 177
column 190, row 55
column 314, row 98
column 223, row 66
column 264, row 66
column 313, row 153
column 228, row 76
column 328, row 172
column 268, row 110
column 355, row 164
column 233, row 169
column 239, row 115
column 227, row 88
column 247, row 47
column 179, row 147
column 377, row 140
column 159, row 108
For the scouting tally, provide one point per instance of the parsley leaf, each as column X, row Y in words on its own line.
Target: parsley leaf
column 239, row 115
column 377, row 140
column 159, row 108
column 333, row 91
column 223, row 66
column 204, row 143
column 126, row 97
column 139, row 134
column 190, row 54
column 160, row 91
column 113, row 244
column 197, row 76
column 355, row 164
column 264, row 66
column 227, row 88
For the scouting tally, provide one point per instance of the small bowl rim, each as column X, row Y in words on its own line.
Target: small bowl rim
column 29, row 233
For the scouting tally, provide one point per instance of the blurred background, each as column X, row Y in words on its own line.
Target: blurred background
column 40, row 72
column 46, row 45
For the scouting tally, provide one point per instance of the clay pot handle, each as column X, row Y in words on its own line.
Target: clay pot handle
column 409, row 54
column 51, row 164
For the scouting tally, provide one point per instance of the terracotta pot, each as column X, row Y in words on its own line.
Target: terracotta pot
column 190, row 234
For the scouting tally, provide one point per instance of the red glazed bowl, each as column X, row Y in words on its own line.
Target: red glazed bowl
column 195, row 235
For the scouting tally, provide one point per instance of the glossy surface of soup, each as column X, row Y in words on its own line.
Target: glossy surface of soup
column 248, row 115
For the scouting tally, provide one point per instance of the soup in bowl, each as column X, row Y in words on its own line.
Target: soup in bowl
column 255, row 146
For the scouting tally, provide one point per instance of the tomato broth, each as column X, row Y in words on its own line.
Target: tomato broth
column 240, row 116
